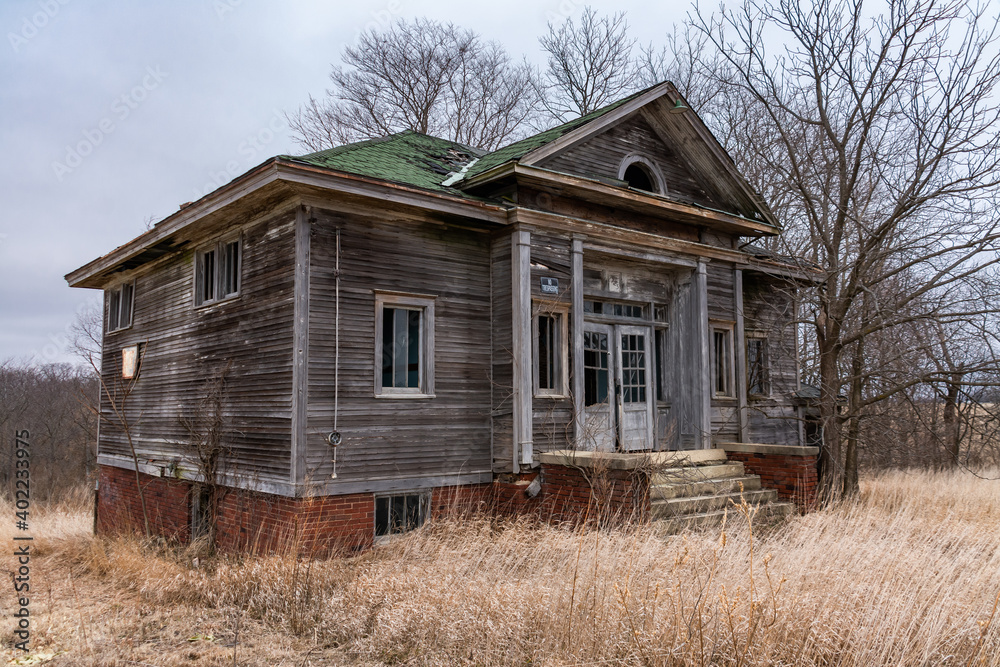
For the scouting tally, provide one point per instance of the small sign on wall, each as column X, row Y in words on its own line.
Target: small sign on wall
column 550, row 285
column 130, row 361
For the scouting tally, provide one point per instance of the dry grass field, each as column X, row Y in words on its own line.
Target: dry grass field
column 907, row 575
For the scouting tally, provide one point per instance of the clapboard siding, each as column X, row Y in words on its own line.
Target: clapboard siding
column 552, row 418
column 502, row 373
column 185, row 347
column 721, row 294
column 394, row 438
column 603, row 154
column 769, row 307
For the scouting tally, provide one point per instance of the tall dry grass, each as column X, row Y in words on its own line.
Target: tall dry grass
column 906, row 575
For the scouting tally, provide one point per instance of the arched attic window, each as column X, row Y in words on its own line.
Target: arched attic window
column 640, row 174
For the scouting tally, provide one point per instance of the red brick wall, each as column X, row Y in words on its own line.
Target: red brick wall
column 586, row 495
column 264, row 523
column 794, row 477
column 247, row 521
column 119, row 509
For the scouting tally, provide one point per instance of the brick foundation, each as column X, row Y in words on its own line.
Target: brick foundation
column 594, row 496
column 792, row 475
column 260, row 522
column 119, row 509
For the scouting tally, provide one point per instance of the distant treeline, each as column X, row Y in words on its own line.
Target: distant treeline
column 55, row 404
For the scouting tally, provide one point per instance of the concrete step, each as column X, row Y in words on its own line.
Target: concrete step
column 706, row 487
column 673, row 507
column 767, row 514
column 698, row 473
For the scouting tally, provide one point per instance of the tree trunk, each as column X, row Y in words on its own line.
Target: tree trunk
column 851, row 486
column 951, row 427
column 830, row 468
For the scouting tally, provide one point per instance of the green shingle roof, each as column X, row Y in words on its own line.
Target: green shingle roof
column 518, row 149
column 424, row 161
column 407, row 157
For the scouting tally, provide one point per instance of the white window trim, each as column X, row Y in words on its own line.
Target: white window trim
column 131, row 311
column 218, row 246
column 727, row 328
column 759, row 335
column 548, row 309
column 650, row 165
column 422, row 302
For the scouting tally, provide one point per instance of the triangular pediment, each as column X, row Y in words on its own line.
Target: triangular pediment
column 657, row 128
column 607, row 155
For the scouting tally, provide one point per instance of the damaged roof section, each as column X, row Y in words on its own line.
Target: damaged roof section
column 407, row 157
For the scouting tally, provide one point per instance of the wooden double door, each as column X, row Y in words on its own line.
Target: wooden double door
column 619, row 390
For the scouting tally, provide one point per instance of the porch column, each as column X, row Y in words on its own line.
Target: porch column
column 703, row 358
column 577, row 329
column 741, row 360
column 521, row 324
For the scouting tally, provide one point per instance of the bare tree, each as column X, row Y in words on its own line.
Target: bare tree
column 589, row 66
column 875, row 132
column 209, row 443
column 426, row 76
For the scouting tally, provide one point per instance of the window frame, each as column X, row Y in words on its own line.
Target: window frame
column 219, row 271
column 661, row 349
column 648, row 165
column 423, row 511
column 119, row 290
column 725, row 328
column 406, row 301
column 559, row 312
column 765, row 365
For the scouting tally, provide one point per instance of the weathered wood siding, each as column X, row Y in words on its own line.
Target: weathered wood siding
column 552, row 418
column 769, row 307
column 603, row 154
column 502, row 353
column 722, row 307
column 186, row 346
column 391, row 438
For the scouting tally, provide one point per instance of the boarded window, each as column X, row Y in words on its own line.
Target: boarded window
column 399, row 514
column 758, row 380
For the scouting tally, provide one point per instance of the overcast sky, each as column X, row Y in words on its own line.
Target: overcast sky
column 115, row 113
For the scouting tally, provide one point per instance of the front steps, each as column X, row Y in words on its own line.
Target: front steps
column 705, row 489
column 675, row 490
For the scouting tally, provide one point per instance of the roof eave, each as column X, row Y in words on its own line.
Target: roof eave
column 690, row 212
column 281, row 169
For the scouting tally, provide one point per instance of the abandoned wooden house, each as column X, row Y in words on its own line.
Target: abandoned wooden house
column 390, row 324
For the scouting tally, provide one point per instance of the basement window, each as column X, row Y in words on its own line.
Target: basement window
column 119, row 307
column 404, row 346
column 399, row 514
column 217, row 272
